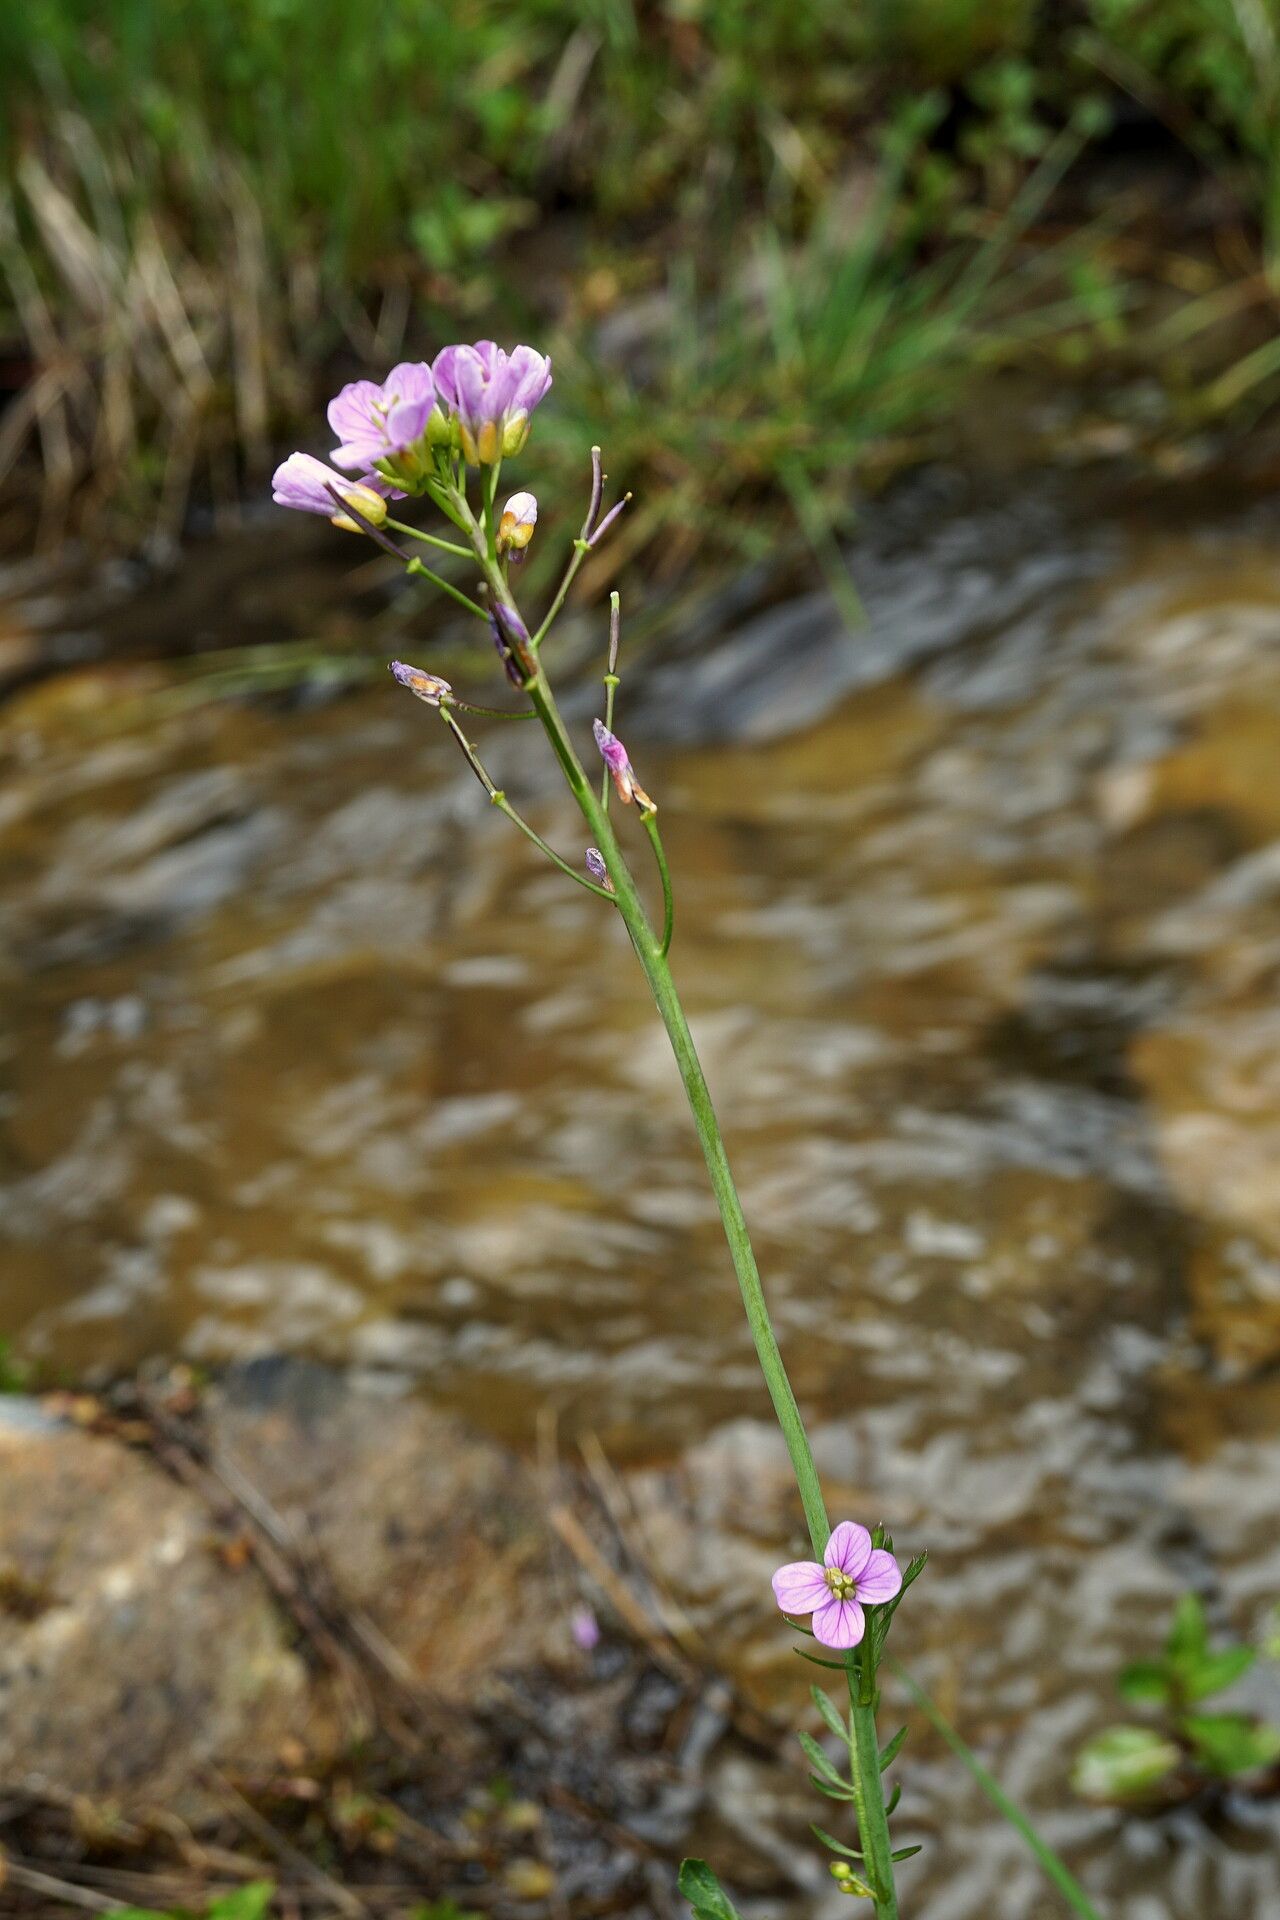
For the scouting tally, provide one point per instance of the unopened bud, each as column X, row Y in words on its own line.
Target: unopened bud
column 427, row 686
column 848, row 1881
column 614, row 755
column 369, row 505
column 598, row 870
column 511, row 638
column 515, row 528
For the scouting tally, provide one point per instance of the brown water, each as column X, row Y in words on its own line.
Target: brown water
column 979, row 927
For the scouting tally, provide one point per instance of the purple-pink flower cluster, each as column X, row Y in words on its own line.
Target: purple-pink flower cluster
column 491, row 394
column 395, row 433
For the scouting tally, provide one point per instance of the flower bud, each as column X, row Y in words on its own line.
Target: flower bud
column 511, row 638
column 515, row 529
column 614, row 755
column 369, row 505
column 427, row 686
column 597, row 869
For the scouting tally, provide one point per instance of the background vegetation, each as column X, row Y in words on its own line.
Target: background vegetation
column 769, row 245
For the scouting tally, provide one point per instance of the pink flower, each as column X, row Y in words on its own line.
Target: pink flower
column 585, row 1629
column 384, row 422
column 490, row 396
column 853, row 1572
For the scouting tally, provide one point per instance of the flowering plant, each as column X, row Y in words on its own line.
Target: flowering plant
column 418, row 433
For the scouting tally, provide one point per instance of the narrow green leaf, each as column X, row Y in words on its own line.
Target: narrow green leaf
column 881, row 1616
column 819, row 1761
column 891, row 1749
column 704, row 1893
column 907, row 1853
column 836, row 1846
column 891, row 1804
column 827, row 1708
column 816, row 1660
column 832, row 1792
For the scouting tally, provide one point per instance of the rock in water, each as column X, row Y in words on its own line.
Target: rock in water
column 131, row 1656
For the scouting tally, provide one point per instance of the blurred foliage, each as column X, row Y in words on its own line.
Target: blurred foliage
column 1211, row 70
column 210, row 207
column 250, row 1902
column 1152, row 1766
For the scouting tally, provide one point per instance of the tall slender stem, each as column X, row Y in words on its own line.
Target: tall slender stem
column 873, row 1825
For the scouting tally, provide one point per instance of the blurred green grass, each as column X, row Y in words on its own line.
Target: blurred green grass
column 769, row 245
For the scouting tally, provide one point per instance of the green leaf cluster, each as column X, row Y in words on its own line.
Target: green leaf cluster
column 1133, row 1765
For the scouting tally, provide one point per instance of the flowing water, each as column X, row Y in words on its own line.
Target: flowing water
column 979, row 928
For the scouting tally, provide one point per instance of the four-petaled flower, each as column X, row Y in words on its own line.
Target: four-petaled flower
column 490, row 395
column 853, row 1573
column 615, row 757
column 303, row 482
column 388, row 422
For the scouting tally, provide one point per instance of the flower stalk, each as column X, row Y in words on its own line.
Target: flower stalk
column 417, row 433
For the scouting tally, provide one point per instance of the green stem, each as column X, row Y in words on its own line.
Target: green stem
column 868, row 1791
column 873, row 1825
column 611, row 685
column 1053, row 1868
column 501, row 802
column 431, row 539
column 580, row 551
column 668, row 899
column 454, row 593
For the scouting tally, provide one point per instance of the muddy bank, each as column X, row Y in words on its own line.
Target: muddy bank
column 303, row 1593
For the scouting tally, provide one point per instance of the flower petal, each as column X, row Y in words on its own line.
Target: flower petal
column 800, row 1586
column 410, row 381
column 849, row 1548
column 840, row 1624
column 881, row 1578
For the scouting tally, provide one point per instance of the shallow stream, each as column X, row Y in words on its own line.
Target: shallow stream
column 979, row 928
